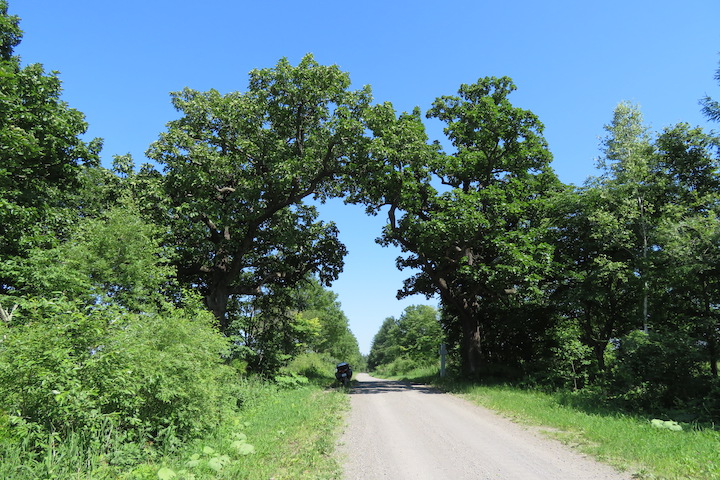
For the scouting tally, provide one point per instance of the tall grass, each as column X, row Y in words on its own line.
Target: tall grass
column 280, row 433
column 77, row 456
column 294, row 436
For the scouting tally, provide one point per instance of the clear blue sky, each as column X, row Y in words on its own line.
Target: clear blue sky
column 572, row 61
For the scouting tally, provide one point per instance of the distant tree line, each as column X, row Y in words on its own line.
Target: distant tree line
column 408, row 342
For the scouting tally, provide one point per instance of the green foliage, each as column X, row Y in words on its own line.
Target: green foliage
column 273, row 329
column 10, row 33
column 42, row 154
column 172, row 381
column 238, row 168
column 596, row 287
column 115, row 258
column 385, row 345
column 412, row 340
column 420, row 333
column 656, row 371
column 268, row 332
column 688, row 234
column 634, row 247
column 157, row 376
column 42, row 353
column 290, row 380
column 334, row 337
column 404, row 365
column 570, row 363
column 314, row 366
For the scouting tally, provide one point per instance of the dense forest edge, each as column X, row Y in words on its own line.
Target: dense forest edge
column 153, row 318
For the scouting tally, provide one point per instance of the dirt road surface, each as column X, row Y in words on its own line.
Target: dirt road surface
column 400, row 431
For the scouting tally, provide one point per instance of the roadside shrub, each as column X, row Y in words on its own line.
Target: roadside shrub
column 290, row 381
column 314, row 366
column 569, row 363
column 159, row 376
column 44, row 354
column 400, row 366
column 655, row 371
column 164, row 374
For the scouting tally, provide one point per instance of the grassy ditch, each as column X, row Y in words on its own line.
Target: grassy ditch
column 290, row 434
column 649, row 448
column 294, row 436
column 280, row 433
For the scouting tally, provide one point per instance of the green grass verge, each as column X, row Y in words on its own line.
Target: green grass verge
column 294, row 436
column 630, row 443
column 289, row 434
column 281, row 433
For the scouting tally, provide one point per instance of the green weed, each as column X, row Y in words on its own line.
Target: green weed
column 280, row 433
column 294, row 436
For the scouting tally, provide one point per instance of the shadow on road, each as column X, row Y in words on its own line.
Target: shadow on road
column 367, row 386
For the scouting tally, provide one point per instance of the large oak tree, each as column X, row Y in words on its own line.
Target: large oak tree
column 471, row 222
column 239, row 168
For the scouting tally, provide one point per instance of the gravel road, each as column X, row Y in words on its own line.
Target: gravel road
column 396, row 430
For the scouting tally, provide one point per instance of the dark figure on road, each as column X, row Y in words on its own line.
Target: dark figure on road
column 343, row 373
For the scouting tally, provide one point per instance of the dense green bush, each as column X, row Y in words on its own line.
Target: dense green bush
column 656, row 371
column 403, row 365
column 411, row 341
column 567, row 363
column 156, row 376
column 314, row 366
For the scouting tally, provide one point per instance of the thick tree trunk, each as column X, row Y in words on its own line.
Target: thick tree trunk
column 472, row 343
column 712, row 350
column 217, row 301
column 599, row 349
column 711, row 332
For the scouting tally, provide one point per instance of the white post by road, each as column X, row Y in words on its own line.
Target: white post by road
column 443, row 353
